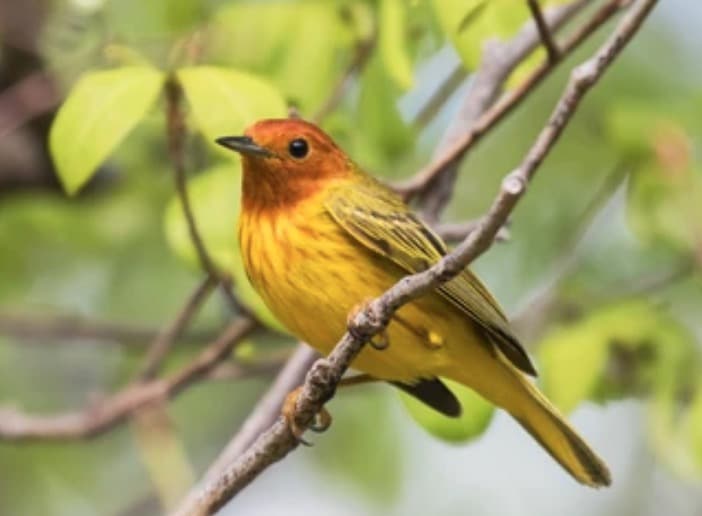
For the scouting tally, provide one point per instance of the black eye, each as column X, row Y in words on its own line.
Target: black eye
column 298, row 148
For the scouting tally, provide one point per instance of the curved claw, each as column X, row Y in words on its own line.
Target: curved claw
column 381, row 340
column 322, row 420
column 288, row 413
column 304, row 442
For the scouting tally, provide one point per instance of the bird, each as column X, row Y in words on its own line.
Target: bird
column 319, row 237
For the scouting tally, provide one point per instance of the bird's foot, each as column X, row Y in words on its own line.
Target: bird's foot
column 322, row 420
column 380, row 341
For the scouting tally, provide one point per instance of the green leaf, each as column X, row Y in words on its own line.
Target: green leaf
column 617, row 350
column 572, row 360
column 98, row 113
column 392, row 42
column 666, row 187
column 380, row 126
column 225, row 101
column 629, row 127
column 664, row 204
column 475, row 418
column 156, row 21
column 695, row 428
column 675, row 431
column 468, row 24
column 214, row 197
column 301, row 46
column 252, row 45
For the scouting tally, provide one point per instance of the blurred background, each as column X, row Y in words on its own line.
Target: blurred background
column 600, row 273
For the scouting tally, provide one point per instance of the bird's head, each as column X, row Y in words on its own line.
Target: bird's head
column 286, row 160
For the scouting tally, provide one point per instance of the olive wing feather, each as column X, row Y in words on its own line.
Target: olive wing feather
column 382, row 222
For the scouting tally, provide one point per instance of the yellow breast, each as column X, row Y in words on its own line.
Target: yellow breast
column 311, row 274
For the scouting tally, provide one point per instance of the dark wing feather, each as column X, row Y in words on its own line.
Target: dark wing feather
column 381, row 221
column 435, row 394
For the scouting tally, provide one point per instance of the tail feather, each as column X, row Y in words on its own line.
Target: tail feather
column 508, row 388
column 542, row 420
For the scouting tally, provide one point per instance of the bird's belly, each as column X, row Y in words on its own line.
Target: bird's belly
column 322, row 283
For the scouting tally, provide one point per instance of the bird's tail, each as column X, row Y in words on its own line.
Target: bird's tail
column 511, row 390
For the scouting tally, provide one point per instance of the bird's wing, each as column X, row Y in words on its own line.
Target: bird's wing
column 434, row 394
column 381, row 221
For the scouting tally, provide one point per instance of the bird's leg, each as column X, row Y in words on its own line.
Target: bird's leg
column 357, row 379
column 380, row 341
column 322, row 421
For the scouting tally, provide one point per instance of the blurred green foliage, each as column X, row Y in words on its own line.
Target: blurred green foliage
column 119, row 248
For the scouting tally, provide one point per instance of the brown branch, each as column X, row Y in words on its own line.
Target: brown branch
column 442, row 165
column 363, row 51
column 544, row 31
column 104, row 415
column 321, row 380
column 27, row 99
column 262, row 416
column 644, row 285
column 176, row 131
column 231, row 370
column 43, row 328
column 437, row 100
column 498, row 61
column 538, row 310
column 457, row 231
column 268, row 407
column 161, row 345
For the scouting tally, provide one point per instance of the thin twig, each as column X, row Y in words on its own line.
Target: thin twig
column 437, row 100
column 362, row 53
column 175, row 128
column 498, row 61
column 424, row 179
column 457, row 231
column 321, row 381
column 230, row 370
column 644, row 284
column 544, row 31
column 533, row 317
column 262, row 416
column 105, row 414
column 27, row 99
column 40, row 328
column 268, row 407
column 161, row 345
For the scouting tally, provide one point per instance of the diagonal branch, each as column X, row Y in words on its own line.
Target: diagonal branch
column 438, row 99
column 263, row 416
column 498, row 61
column 362, row 54
column 163, row 342
column 175, row 127
column 176, row 133
column 544, row 31
column 539, row 309
column 443, row 165
column 107, row 413
column 41, row 329
column 32, row 96
column 321, row 381
column 457, row 231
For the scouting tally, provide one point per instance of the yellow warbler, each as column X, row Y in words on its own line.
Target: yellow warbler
column 319, row 236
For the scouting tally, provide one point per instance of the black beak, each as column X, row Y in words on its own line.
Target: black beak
column 244, row 145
